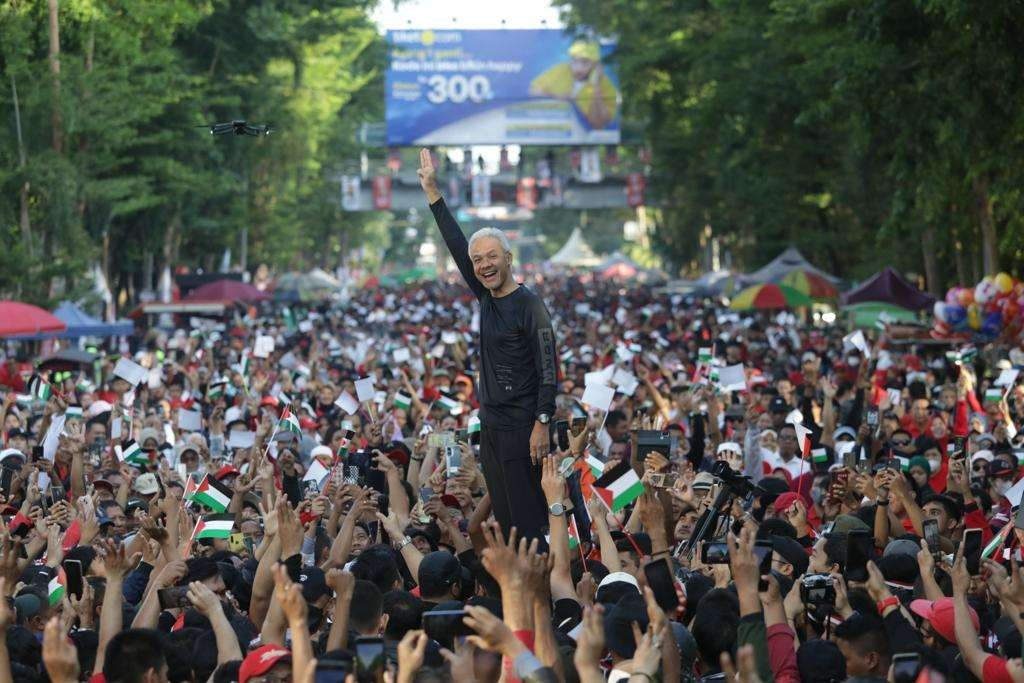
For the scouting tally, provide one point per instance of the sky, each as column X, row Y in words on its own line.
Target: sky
column 415, row 14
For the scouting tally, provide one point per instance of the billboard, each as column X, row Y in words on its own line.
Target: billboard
column 533, row 87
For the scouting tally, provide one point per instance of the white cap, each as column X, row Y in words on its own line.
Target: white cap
column 99, row 407
column 615, row 577
column 8, row 452
column 146, row 484
column 319, row 451
column 983, row 454
column 730, row 446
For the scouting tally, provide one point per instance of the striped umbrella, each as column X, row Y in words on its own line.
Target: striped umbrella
column 769, row 296
column 811, row 284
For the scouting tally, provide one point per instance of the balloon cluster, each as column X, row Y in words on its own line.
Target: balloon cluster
column 989, row 310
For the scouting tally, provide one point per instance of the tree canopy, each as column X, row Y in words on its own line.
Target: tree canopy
column 110, row 146
column 866, row 132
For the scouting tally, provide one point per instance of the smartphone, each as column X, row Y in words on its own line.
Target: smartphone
column 55, row 494
column 1018, row 519
column 461, row 436
column 75, row 580
column 850, row 458
column 905, row 667
column 659, row 578
column 972, row 550
column 310, row 488
column 858, row 551
column 562, row 434
column 579, row 424
column 871, row 417
column 443, row 625
column 37, row 453
column 452, row 459
column 370, row 657
column 331, row 670
column 175, row 596
column 715, row 553
column 6, row 479
column 959, row 445
column 840, row 479
column 931, row 537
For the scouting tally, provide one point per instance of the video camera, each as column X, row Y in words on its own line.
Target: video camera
column 817, row 590
column 737, row 483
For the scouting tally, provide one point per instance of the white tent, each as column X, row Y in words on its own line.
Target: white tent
column 575, row 252
column 789, row 260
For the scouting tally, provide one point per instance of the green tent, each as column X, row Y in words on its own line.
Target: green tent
column 871, row 313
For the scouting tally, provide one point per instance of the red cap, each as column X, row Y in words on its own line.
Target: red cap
column 225, row 471
column 786, row 501
column 306, row 423
column 269, row 401
column 940, row 615
column 260, row 661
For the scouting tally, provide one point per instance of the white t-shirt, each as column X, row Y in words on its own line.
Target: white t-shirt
column 795, row 466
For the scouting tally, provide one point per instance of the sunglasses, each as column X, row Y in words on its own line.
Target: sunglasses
column 901, row 442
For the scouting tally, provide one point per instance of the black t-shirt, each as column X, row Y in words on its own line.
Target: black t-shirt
column 517, row 343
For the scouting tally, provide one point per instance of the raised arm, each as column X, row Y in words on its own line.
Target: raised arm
column 458, row 245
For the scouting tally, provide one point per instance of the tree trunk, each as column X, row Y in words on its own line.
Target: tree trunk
column 56, row 120
column 989, row 240
column 23, row 194
column 931, row 265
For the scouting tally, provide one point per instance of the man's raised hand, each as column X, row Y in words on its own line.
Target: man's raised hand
column 428, row 176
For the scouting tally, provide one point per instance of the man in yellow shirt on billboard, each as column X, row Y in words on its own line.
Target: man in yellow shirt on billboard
column 582, row 81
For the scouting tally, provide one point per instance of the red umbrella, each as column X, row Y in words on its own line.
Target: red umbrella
column 227, row 290
column 18, row 319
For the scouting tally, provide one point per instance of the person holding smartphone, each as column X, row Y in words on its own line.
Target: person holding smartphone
column 518, row 367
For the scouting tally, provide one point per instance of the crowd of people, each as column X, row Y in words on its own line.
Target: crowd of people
column 297, row 495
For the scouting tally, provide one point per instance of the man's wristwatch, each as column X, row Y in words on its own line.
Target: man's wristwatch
column 543, row 418
column 556, row 509
column 404, row 542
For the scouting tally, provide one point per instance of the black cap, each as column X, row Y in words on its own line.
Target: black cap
column 778, row 405
column 314, row 583
column 792, row 552
column 618, row 630
column 1000, row 467
column 437, row 572
column 16, row 432
column 820, row 660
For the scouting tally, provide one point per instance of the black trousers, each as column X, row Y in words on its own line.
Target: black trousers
column 513, row 481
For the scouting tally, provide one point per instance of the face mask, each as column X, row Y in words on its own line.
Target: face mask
column 1002, row 486
column 935, row 464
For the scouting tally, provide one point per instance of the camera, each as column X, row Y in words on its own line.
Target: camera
column 817, row 590
column 737, row 484
column 650, row 440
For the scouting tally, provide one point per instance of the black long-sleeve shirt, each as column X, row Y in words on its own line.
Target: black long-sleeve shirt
column 517, row 343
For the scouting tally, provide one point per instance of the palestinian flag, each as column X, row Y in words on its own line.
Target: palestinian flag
column 402, row 402
column 133, row 455
column 289, row 423
column 803, row 437
column 704, row 355
column 74, row 411
column 450, row 404
column 596, row 466
column 214, row 526
column 245, row 368
column 346, row 445
column 618, row 486
column 58, row 587
column 474, row 425
column 190, row 488
column 819, row 455
column 212, row 494
column 39, row 388
column 996, row 543
column 574, row 533
column 904, row 463
column 215, row 391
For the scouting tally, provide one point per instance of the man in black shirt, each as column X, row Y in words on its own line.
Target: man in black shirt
column 517, row 368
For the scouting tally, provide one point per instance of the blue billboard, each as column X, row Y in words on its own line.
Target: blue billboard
column 533, row 87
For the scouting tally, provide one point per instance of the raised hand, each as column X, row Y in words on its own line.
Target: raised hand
column 552, row 482
column 411, row 651
column 590, row 644
column 289, row 596
column 59, row 655
column 428, row 176
column 116, row 562
column 491, row 632
column 203, row 599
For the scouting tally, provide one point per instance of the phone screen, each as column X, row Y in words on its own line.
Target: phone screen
column 578, row 425
column 73, row 573
column 37, row 453
column 175, row 596
column 562, row 432
column 715, row 553
column 972, row 550
column 931, row 535
column 452, row 459
column 6, row 479
column 905, row 667
column 331, row 670
column 369, row 655
column 858, row 552
column 659, row 578
column 443, row 625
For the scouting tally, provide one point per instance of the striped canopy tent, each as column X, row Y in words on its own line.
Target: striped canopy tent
column 811, row 284
column 769, row 296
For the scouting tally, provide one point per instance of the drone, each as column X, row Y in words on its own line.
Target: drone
column 238, row 128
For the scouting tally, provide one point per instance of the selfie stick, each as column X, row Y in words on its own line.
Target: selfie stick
column 709, row 520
